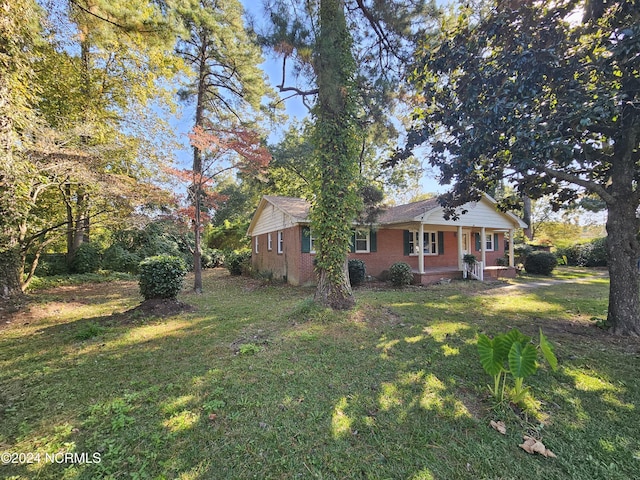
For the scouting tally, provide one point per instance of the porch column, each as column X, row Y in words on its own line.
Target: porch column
column 460, row 262
column 421, row 249
column 483, row 246
column 512, row 261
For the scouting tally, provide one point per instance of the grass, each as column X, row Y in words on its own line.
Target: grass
column 259, row 382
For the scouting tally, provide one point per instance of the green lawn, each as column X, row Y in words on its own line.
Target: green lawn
column 257, row 382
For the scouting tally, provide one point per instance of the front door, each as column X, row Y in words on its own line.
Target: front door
column 466, row 242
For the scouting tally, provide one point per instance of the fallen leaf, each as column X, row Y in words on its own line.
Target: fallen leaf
column 533, row 446
column 499, row 426
column 212, row 416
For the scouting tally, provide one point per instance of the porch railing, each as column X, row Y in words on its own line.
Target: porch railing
column 475, row 271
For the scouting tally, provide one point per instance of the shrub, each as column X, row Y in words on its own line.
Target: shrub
column 86, row 259
column 357, row 271
column 117, row 259
column 211, row 258
column 590, row 254
column 237, row 262
column 50, row 264
column 540, row 263
column 400, row 274
column 161, row 276
column 520, row 252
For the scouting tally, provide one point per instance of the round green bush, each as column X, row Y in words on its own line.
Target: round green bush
column 357, row 271
column 540, row 263
column 400, row 274
column 86, row 259
column 161, row 276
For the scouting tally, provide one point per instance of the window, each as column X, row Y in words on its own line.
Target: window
column 257, row 243
column 488, row 243
column 269, row 242
column 362, row 241
column 280, row 242
column 312, row 243
column 430, row 240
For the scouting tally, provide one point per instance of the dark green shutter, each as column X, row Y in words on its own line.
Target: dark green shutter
column 373, row 241
column 496, row 246
column 407, row 239
column 440, row 243
column 306, row 239
column 352, row 246
column 478, row 243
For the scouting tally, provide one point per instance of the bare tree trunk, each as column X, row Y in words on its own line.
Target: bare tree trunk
column 526, row 217
column 624, row 255
column 10, row 272
column 197, row 170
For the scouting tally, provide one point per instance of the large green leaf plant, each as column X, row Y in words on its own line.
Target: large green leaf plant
column 513, row 353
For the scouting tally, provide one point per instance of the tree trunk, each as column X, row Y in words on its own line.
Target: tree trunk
column 197, row 168
column 624, row 255
column 526, row 216
column 335, row 295
column 10, row 272
column 336, row 204
column 197, row 262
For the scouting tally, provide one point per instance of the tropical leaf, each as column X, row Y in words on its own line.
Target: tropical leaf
column 515, row 335
column 502, row 345
column 489, row 355
column 522, row 360
column 547, row 352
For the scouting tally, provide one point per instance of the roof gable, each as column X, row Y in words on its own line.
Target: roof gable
column 276, row 213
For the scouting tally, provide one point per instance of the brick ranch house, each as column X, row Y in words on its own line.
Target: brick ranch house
column 283, row 243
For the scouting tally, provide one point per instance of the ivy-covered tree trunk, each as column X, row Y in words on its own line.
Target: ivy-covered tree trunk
column 336, row 202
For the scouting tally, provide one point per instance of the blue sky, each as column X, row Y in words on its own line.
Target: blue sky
column 294, row 107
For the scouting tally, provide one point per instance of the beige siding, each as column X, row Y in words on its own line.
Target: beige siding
column 271, row 220
column 479, row 214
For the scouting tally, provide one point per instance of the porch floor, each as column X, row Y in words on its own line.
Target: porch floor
column 433, row 275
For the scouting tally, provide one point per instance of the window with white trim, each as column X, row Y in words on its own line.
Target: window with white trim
column 312, row 243
column 280, row 242
column 362, row 241
column 488, row 244
column 269, row 242
column 430, row 240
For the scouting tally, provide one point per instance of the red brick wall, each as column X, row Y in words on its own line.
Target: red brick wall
column 291, row 264
column 298, row 269
column 491, row 257
column 391, row 250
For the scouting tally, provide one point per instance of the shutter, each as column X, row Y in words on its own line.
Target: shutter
column 306, row 239
column 352, row 246
column 407, row 239
column 478, row 243
column 440, row 243
column 373, row 241
column 496, row 245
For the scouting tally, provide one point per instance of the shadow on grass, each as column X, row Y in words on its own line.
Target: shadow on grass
column 391, row 390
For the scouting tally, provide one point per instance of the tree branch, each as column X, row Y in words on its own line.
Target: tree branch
column 589, row 185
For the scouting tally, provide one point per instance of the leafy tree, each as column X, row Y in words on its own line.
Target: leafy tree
column 112, row 54
column 336, row 204
column 19, row 34
column 349, row 88
column 227, row 84
column 520, row 92
column 222, row 152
